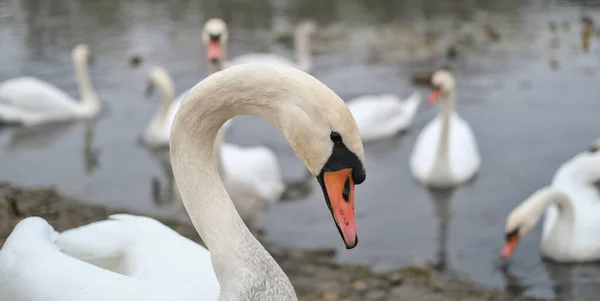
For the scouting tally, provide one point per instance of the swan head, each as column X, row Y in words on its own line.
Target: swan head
column 525, row 216
column 443, row 84
column 82, row 53
column 595, row 147
column 215, row 36
column 159, row 76
column 323, row 133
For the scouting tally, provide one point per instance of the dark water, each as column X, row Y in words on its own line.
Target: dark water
column 528, row 118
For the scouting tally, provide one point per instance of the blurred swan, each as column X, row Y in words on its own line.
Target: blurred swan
column 382, row 116
column 29, row 101
column 137, row 258
column 252, row 174
column 445, row 153
column 215, row 36
column 158, row 131
column 572, row 207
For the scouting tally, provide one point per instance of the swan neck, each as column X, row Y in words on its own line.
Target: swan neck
column 447, row 109
column 546, row 197
column 302, row 47
column 89, row 99
column 239, row 260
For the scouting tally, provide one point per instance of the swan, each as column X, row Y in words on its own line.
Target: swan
column 255, row 168
column 572, row 205
column 382, row 116
column 445, row 152
column 318, row 126
column 215, row 36
column 29, row 101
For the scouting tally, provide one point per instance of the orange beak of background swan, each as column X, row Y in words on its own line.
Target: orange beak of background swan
column 511, row 244
column 214, row 50
column 338, row 187
column 434, row 96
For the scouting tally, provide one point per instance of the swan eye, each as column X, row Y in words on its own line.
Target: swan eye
column 335, row 137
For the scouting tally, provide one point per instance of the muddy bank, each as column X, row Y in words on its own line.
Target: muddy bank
column 313, row 273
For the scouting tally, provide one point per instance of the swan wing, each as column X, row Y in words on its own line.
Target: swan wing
column 135, row 246
column 32, row 268
column 464, row 159
column 256, row 167
column 423, row 154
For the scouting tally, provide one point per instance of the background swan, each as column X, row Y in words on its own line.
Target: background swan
column 158, row 131
column 215, row 36
column 30, row 101
column 382, row 116
column 252, row 174
column 321, row 131
column 445, row 152
column 572, row 207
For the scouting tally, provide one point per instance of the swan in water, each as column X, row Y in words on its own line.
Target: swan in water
column 445, row 153
column 252, row 175
column 382, row 116
column 29, row 101
column 572, row 207
column 215, row 36
column 318, row 126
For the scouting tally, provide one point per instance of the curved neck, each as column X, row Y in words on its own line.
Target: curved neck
column 242, row 265
column 89, row 99
column 167, row 92
column 303, row 50
column 536, row 205
column 447, row 108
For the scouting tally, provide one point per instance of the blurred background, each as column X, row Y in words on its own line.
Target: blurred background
column 525, row 84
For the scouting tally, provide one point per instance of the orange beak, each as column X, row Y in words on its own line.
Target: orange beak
column 338, row 187
column 434, row 96
column 214, row 51
column 510, row 246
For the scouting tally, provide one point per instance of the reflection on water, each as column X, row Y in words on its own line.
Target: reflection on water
column 516, row 103
column 442, row 199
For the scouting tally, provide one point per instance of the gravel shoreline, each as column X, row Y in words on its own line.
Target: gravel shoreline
column 313, row 273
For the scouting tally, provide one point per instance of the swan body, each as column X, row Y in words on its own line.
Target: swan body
column 29, row 101
column 571, row 205
column 445, row 152
column 320, row 129
column 382, row 116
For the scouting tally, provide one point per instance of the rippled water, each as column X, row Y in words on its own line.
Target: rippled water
column 528, row 117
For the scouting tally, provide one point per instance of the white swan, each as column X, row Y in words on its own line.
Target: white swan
column 158, row 131
column 30, row 101
column 445, row 153
column 165, row 266
column 252, row 174
column 572, row 207
column 215, row 36
column 382, row 116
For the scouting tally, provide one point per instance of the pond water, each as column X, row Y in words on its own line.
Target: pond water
column 527, row 116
